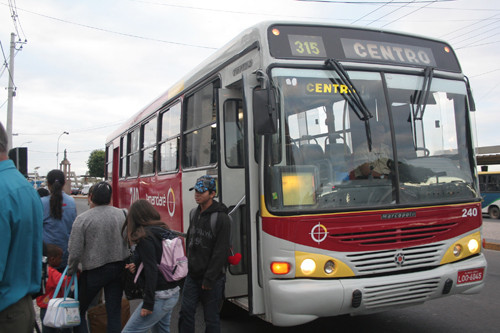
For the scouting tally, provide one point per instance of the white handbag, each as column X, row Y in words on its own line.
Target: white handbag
column 63, row 312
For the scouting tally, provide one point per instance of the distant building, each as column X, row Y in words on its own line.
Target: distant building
column 65, row 167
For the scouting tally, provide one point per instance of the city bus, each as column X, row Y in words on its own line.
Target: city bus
column 345, row 156
column 489, row 186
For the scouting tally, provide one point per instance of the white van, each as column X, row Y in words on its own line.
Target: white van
column 86, row 188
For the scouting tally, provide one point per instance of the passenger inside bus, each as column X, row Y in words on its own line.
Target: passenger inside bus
column 373, row 164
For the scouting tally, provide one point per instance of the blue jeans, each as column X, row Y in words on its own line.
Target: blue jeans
column 89, row 284
column 158, row 321
column 210, row 299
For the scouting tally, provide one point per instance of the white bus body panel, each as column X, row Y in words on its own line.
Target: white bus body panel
column 297, row 301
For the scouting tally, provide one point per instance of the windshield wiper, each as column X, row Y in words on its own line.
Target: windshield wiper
column 352, row 98
column 419, row 102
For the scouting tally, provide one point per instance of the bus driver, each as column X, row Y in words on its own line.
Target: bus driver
column 373, row 164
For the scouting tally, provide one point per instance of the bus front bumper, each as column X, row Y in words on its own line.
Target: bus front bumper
column 298, row 301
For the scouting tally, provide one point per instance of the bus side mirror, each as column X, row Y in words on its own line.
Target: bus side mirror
column 265, row 113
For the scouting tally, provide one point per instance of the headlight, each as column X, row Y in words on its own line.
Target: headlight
column 473, row 245
column 329, row 267
column 457, row 250
column 308, row 266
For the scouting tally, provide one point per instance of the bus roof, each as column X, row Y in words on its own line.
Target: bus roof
column 256, row 37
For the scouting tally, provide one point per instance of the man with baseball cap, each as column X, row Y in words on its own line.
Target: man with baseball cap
column 207, row 250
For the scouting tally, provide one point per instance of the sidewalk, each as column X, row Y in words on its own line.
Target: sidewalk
column 491, row 234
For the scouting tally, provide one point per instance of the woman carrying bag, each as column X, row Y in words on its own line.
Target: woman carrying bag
column 146, row 230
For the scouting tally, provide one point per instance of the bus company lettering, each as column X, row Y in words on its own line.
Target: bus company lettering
column 157, row 200
column 390, row 52
column 400, row 215
column 242, row 67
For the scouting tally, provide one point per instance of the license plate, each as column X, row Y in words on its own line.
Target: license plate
column 471, row 275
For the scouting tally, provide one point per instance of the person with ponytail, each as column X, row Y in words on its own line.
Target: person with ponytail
column 59, row 213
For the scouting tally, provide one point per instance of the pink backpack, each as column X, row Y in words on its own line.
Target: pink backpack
column 173, row 264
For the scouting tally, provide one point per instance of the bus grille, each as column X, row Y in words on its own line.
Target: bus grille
column 392, row 294
column 376, row 262
column 393, row 236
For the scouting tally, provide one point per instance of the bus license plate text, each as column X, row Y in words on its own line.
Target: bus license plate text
column 471, row 275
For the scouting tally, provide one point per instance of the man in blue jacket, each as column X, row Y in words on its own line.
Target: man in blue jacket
column 207, row 252
column 20, row 245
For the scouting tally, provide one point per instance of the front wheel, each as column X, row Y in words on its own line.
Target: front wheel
column 494, row 212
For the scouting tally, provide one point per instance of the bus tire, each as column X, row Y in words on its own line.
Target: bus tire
column 494, row 212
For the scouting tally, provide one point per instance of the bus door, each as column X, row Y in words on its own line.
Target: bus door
column 254, row 264
column 239, row 179
column 232, row 184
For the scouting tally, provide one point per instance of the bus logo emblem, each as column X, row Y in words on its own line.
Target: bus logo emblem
column 171, row 202
column 318, row 233
column 399, row 259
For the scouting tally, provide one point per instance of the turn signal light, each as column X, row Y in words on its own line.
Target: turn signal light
column 280, row 268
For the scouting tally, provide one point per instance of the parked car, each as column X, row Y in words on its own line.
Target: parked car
column 75, row 190
column 86, row 188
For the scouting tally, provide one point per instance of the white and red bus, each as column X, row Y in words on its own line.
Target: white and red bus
column 290, row 118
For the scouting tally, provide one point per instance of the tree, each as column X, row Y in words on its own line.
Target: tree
column 96, row 163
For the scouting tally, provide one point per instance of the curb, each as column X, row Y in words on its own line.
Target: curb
column 491, row 246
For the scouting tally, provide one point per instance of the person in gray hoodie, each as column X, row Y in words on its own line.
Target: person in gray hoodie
column 96, row 241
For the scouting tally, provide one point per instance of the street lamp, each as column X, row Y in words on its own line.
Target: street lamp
column 57, row 154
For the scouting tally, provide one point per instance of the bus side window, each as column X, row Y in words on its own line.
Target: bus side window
column 123, row 156
column 134, row 145
column 234, row 133
column 200, row 128
column 148, row 150
column 494, row 183
column 169, row 141
column 482, row 183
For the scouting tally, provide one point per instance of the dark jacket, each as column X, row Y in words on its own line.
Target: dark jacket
column 149, row 250
column 207, row 253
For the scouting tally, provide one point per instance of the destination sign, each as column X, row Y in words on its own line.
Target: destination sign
column 391, row 52
column 318, row 42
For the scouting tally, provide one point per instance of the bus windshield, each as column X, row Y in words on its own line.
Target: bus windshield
column 410, row 148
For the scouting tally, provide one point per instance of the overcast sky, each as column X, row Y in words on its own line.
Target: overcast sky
column 88, row 65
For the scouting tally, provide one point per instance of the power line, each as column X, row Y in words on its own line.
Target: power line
column 416, row 10
column 494, row 70
column 373, row 11
column 15, row 19
column 475, row 45
column 468, row 26
column 7, row 67
column 366, row 2
column 80, row 130
column 395, row 10
column 116, row 32
column 479, row 34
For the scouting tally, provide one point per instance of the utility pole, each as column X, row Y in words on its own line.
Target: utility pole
column 11, row 90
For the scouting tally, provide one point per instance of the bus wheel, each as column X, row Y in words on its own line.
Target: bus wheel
column 494, row 212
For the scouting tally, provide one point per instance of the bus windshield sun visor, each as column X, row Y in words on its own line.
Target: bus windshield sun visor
column 353, row 98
